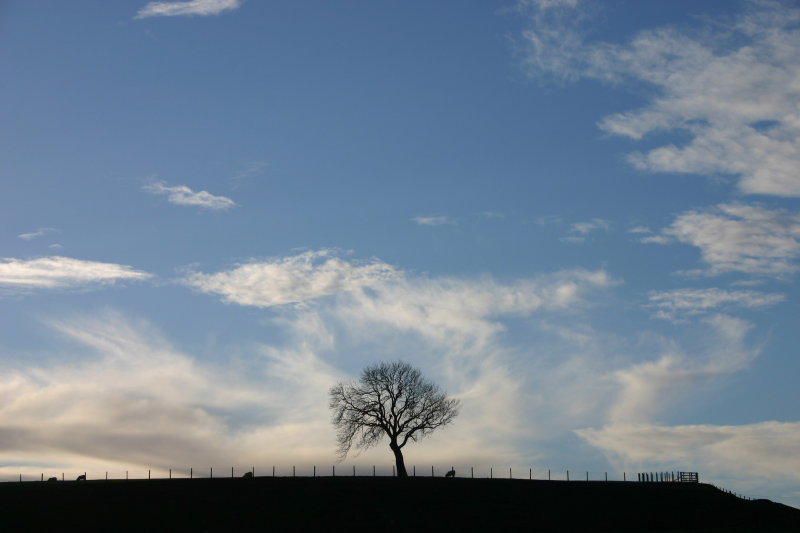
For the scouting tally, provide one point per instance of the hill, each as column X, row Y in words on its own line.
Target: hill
column 383, row 504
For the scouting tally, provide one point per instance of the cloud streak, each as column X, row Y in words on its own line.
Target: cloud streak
column 678, row 305
column 137, row 400
column 295, row 279
column 440, row 220
column 35, row 234
column 740, row 238
column 190, row 8
column 648, row 388
column 732, row 88
column 57, row 272
column 183, row 195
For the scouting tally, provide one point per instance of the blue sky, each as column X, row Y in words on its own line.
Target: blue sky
column 580, row 218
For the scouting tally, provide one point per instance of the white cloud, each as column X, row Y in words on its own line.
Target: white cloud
column 579, row 230
column 739, row 238
column 183, row 195
column 189, row 8
column 62, row 272
column 586, row 227
column 677, row 305
column 250, row 170
column 649, row 388
column 451, row 327
column 315, row 274
column 137, row 401
column 733, row 88
column 299, row 278
column 756, row 459
column 433, row 220
column 34, row 234
column 640, row 229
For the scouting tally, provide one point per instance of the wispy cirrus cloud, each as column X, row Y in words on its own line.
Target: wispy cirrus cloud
column 579, row 230
column 57, row 272
column 678, row 305
column 128, row 398
column 741, row 238
column 439, row 220
column 640, row 230
column 36, row 234
column 648, row 388
column 731, row 87
column 183, row 195
column 189, row 8
column 250, row 170
column 294, row 279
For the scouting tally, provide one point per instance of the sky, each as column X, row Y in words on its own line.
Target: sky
column 579, row 218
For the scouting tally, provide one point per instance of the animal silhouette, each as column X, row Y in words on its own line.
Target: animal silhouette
column 451, row 473
column 247, row 475
column 82, row 477
column 52, row 479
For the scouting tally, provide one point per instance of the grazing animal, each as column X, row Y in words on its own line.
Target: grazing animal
column 52, row 479
column 82, row 477
column 248, row 475
column 451, row 473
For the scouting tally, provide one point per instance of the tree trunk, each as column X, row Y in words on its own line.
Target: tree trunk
column 398, row 459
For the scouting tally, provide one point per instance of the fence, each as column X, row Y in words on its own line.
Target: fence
column 375, row 471
column 362, row 471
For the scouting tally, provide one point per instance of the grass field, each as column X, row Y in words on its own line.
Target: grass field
column 382, row 504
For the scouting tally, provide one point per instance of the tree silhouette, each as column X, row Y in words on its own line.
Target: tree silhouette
column 391, row 399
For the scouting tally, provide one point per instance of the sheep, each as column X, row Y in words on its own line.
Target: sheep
column 82, row 477
column 451, row 473
column 248, row 475
column 52, row 479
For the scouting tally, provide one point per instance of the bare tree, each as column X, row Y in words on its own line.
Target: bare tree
column 391, row 399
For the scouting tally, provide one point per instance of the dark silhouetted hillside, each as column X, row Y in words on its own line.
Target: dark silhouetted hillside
column 382, row 504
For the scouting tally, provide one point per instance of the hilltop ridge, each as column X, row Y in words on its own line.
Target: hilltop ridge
column 384, row 504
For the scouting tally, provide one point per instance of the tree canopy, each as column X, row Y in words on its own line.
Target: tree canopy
column 389, row 399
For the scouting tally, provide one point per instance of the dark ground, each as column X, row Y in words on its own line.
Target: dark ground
column 382, row 504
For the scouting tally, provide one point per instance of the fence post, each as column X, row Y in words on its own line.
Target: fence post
column 126, row 475
column 567, row 475
column 354, row 470
column 315, row 470
column 530, row 473
column 373, row 470
column 273, row 470
column 587, row 475
column 191, row 473
column 491, row 474
column 509, row 473
column 415, row 470
column 333, row 470
column 211, row 472
column 231, row 472
column 431, row 470
column 472, row 472
column 170, row 474
column 548, row 474
column 42, row 476
column 624, row 476
column 293, row 471
column 606, row 476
